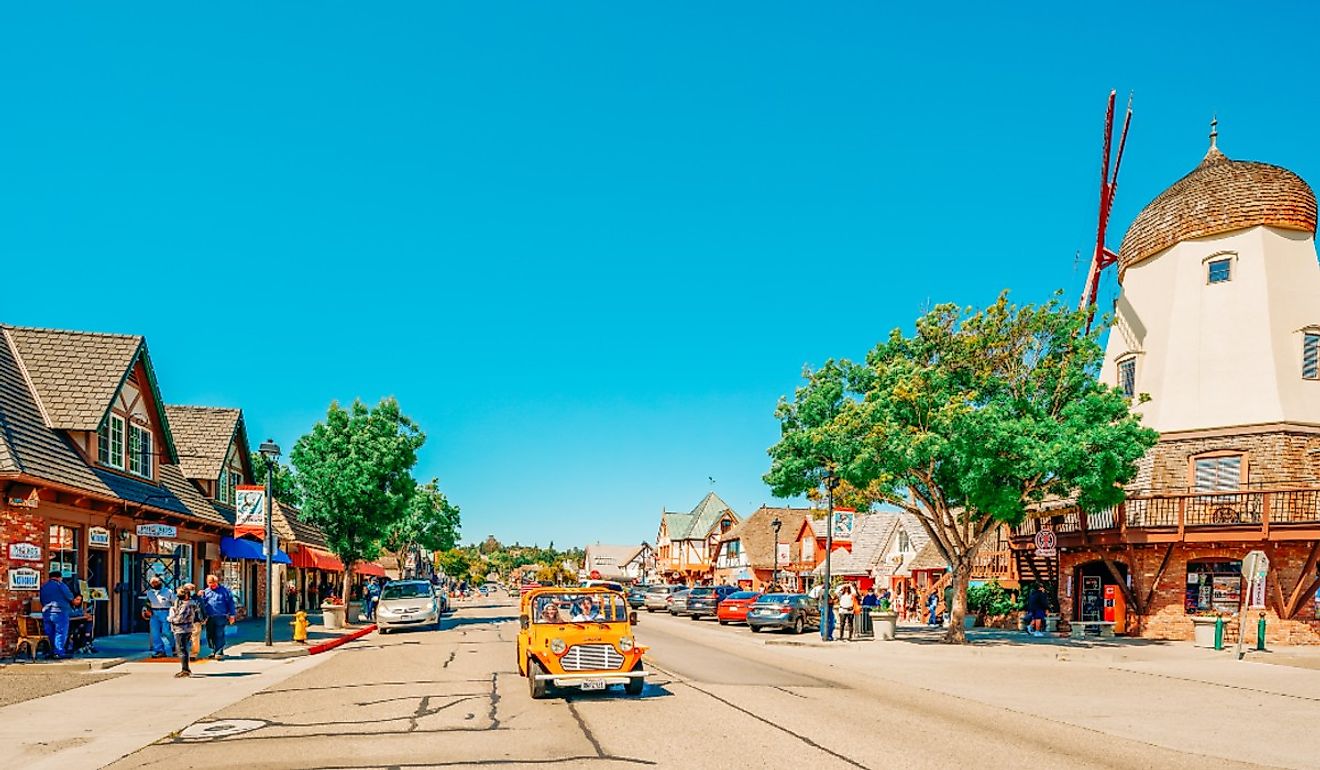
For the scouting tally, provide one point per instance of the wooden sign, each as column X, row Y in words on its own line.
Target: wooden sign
column 98, row 537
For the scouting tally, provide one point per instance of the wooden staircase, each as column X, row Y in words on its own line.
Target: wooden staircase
column 1033, row 568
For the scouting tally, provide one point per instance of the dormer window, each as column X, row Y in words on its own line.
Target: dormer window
column 1219, row 270
column 1311, row 356
column 110, row 442
column 139, row 451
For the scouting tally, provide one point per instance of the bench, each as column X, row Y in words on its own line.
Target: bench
column 1080, row 629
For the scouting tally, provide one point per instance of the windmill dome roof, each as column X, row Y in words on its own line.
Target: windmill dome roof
column 1219, row 196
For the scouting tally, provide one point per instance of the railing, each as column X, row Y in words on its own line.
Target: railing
column 1193, row 510
column 993, row 564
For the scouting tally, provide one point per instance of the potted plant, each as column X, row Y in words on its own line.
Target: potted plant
column 884, row 621
column 332, row 613
column 1203, row 628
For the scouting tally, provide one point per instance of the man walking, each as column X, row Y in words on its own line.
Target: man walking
column 1037, row 607
column 219, row 610
column 159, row 602
column 56, row 604
column 373, row 596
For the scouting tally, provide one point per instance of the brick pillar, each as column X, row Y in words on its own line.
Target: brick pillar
column 17, row 525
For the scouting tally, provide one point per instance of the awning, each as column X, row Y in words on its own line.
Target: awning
column 241, row 548
column 369, row 568
column 308, row 557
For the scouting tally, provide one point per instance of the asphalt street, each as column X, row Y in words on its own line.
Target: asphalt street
column 453, row 698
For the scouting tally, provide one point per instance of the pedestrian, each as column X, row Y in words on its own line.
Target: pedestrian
column 1038, row 605
column 183, row 620
column 219, row 610
column 932, row 605
column 372, row 597
column 871, row 601
column 56, row 604
column 847, row 606
column 159, row 601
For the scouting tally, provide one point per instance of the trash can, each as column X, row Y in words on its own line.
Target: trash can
column 865, row 630
column 885, row 624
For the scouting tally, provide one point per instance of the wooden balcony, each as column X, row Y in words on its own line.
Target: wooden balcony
column 996, row 565
column 1258, row 515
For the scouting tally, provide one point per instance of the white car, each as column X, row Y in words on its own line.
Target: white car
column 407, row 604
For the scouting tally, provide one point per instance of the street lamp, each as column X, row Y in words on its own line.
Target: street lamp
column 826, row 615
column 269, row 452
column 774, row 575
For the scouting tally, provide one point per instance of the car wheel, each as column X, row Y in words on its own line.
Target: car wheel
column 384, row 630
column 755, row 629
column 538, row 688
column 636, row 684
column 650, row 609
column 797, row 625
column 724, row 622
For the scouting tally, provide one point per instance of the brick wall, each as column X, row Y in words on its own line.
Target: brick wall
column 1166, row 617
column 17, row 525
column 1278, row 457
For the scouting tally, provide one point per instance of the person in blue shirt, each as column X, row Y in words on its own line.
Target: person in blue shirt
column 56, row 601
column 373, row 597
column 220, row 611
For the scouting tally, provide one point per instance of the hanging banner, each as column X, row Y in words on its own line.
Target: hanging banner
column 782, row 554
column 843, row 523
column 250, row 506
column 1256, row 569
column 98, row 537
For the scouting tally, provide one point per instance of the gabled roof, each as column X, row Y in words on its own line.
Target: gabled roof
column 870, row 532
column 700, row 521
column 923, row 548
column 757, row 536
column 676, row 524
column 610, row 560
column 74, row 376
column 203, row 435
column 294, row 528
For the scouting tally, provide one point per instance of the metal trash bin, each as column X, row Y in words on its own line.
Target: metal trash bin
column 865, row 629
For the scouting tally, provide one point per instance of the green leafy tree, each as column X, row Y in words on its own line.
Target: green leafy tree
column 430, row 523
column 284, row 483
column 966, row 424
column 454, row 562
column 354, row 469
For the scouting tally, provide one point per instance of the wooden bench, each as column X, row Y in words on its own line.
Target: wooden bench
column 1080, row 629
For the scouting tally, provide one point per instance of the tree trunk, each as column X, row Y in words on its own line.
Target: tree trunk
column 962, row 575
column 348, row 582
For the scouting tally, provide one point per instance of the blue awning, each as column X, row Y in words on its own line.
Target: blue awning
column 241, row 548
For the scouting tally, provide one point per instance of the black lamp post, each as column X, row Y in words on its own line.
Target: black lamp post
column 269, row 452
column 826, row 613
column 774, row 575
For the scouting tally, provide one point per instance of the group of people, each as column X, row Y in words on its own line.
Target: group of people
column 583, row 610
column 178, row 618
column 850, row 605
column 64, row 618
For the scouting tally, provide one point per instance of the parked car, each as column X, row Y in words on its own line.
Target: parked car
column 637, row 596
column 657, row 597
column 405, row 604
column 703, row 600
column 734, row 608
column 784, row 611
column 612, row 585
column 677, row 601
column 555, row 651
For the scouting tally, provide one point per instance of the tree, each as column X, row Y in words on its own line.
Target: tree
column 489, row 545
column 355, row 473
column 284, row 484
column 430, row 522
column 554, row 574
column 967, row 424
column 454, row 562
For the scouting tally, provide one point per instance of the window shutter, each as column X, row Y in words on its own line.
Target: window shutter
column 1311, row 357
column 1219, row 474
column 1230, row 473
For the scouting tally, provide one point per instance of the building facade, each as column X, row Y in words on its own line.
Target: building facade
column 686, row 543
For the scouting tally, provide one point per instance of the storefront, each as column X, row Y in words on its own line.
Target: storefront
column 243, row 571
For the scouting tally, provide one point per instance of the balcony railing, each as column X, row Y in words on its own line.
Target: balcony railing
column 1255, row 510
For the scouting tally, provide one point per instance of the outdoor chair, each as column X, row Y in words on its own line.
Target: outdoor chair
column 31, row 634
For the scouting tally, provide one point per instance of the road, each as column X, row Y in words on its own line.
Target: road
column 453, row 698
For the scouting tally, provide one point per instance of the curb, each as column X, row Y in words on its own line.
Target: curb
column 346, row 638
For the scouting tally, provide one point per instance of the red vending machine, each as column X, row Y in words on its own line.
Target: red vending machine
column 1116, row 608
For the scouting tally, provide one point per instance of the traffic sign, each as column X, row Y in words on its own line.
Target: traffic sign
column 1046, row 543
column 1255, row 570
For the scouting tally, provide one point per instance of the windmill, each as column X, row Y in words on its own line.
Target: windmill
column 1102, row 257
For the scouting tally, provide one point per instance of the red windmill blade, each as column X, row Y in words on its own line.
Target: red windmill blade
column 1102, row 257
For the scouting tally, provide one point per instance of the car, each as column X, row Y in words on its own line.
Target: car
column 703, row 600
column 677, row 601
column 407, row 604
column 795, row 612
column 578, row 638
column 734, row 607
column 613, row 585
column 637, row 596
column 657, row 597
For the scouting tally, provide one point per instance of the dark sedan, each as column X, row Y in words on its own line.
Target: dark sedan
column 796, row 612
column 703, row 600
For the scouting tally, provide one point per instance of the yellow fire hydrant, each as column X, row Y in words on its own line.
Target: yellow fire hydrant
column 300, row 627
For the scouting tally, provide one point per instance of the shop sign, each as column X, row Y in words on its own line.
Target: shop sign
column 98, row 537
column 31, row 501
column 24, row 579
column 250, row 506
column 157, row 530
column 1046, row 543
column 24, row 552
column 1255, row 569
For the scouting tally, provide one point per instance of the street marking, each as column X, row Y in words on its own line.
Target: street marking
column 207, row 731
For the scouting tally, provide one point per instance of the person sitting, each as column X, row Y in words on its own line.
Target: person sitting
column 587, row 610
column 550, row 613
column 80, row 636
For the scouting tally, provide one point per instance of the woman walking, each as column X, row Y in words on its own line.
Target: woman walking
column 183, row 618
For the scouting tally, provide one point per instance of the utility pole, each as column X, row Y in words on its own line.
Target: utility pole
column 269, row 451
column 826, row 613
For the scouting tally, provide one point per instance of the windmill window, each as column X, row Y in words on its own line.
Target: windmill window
column 1311, row 356
column 1219, row 271
column 1127, row 376
column 1218, row 474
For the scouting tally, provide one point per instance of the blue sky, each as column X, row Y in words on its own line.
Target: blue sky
column 587, row 245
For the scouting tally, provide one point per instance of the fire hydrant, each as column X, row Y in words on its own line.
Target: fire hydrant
column 300, row 627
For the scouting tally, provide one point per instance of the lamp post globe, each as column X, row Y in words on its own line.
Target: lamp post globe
column 269, row 452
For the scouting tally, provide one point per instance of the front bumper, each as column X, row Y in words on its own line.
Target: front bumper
column 576, row 679
column 419, row 620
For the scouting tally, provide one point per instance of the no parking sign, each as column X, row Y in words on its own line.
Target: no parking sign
column 1046, row 543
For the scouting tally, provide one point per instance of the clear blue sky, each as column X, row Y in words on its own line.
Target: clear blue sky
column 587, row 245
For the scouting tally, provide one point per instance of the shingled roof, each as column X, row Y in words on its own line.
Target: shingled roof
column 1219, row 196
column 758, row 537
column 698, row 523
column 289, row 525
column 203, row 435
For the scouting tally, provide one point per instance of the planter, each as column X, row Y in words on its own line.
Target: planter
column 354, row 612
column 1203, row 631
column 969, row 622
column 332, row 616
column 1052, row 623
column 885, row 624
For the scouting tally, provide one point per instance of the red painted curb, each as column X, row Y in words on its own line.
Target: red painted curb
column 333, row 643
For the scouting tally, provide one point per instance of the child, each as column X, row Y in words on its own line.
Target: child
column 183, row 616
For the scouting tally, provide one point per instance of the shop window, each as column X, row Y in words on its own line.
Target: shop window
column 1218, row 474
column 1219, row 271
column 139, row 451
column 63, row 550
column 1213, row 586
column 1127, row 376
column 110, row 442
column 1311, row 356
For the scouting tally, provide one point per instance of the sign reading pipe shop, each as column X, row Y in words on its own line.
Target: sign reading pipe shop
column 24, row 552
column 24, row 579
column 157, row 530
column 1046, row 543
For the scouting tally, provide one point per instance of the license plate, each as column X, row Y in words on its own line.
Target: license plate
column 593, row 684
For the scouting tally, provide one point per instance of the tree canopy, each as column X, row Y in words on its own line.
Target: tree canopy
column 355, row 472
column 977, row 416
column 429, row 522
column 284, row 483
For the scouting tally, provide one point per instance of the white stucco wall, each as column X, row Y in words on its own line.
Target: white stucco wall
column 1227, row 354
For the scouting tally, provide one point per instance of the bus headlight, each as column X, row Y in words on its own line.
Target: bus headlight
column 557, row 646
column 625, row 643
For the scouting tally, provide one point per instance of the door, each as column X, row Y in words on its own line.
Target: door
column 140, row 568
column 98, row 576
column 1092, row 598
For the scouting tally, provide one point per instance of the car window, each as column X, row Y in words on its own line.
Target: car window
column 406, row 591
column 573, row 607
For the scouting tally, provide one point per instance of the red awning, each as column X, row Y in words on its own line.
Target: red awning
column 308, row 557
column 369, row 568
